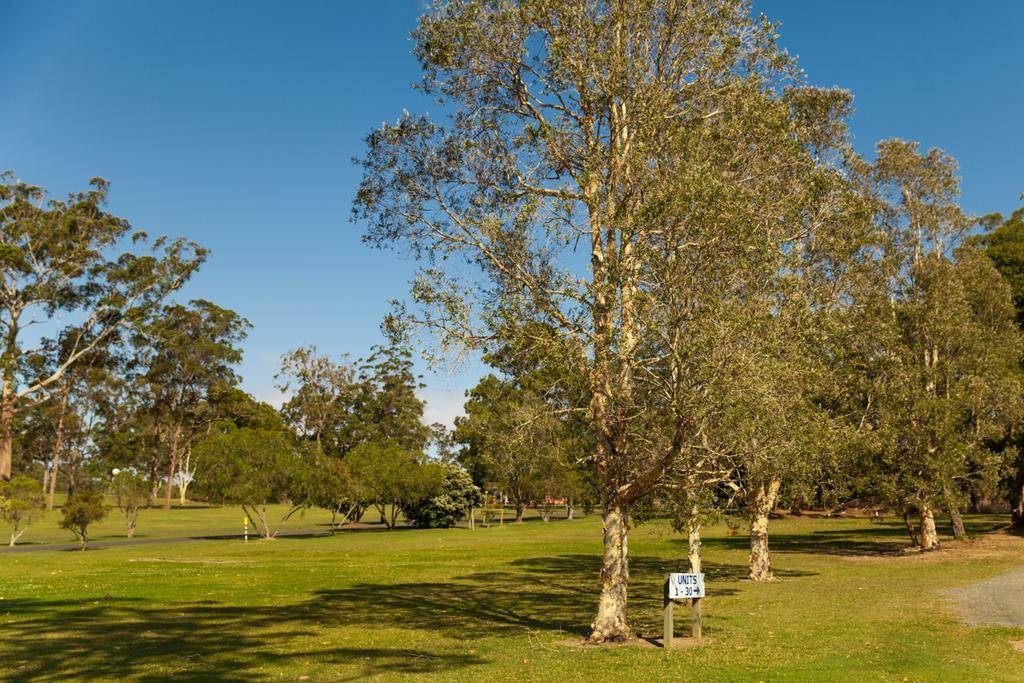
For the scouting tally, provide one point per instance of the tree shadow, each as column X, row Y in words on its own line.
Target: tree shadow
column 202, row 641
column 206, row 640
column 875, row 537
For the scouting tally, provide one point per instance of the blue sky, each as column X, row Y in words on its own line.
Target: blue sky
column 234, row 123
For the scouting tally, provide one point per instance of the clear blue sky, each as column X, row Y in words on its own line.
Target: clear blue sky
column 234, row 123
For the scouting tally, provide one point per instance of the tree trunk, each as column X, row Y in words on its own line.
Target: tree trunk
column 52, row 492
column 58, row 445
column 959, row 531
column 693, row 545
column 7, row 411
column 610, row 624
column 760, row 558
column 520, row 511
column 929, row 536
column 175, row 436
column 568, row 509
column 911, row 531
column 1016, row 488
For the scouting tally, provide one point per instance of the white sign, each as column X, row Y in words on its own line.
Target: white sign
column 682, row 586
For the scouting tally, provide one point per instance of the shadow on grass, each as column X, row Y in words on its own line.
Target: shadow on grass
column 206, row 640
column 872, row 537
column 124, row 639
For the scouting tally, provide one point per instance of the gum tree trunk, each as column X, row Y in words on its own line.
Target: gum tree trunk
column 929, row 536
column 760, row 558
column 610, row 624
column 959, row 531
column 693, row 546
column 7, row 410
column 520, row 511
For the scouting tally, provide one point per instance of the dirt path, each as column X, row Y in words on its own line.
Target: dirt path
column 993, row 602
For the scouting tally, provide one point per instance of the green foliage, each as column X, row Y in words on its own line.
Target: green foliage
column 514, row 444
column 392, row 478
column 64, row 256
column 1003, row 242
column 131, row 494
column 388, row 409
column 83, row 507
column 254, row 468
column 21, row 503
column 455, row 497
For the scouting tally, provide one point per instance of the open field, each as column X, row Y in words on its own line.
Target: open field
column 495, row 604
column 194, row 519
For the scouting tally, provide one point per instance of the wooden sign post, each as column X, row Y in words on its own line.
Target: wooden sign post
column 683, row 587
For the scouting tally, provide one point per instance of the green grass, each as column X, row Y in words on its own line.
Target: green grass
column 194, row 519
column 493, row 604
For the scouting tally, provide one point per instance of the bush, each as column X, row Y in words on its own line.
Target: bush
column 131, row 493
column 455, row 497
column 391, row 478
column 82, row 509
column 21, row 502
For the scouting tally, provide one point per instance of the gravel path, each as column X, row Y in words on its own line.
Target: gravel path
column 993, row 602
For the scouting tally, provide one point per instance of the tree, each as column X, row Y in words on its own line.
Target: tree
column 131, row 493
column 393, row 478
column 455, row 497
column 192, row 351
column 1003, row 243
column 514, row 443
column 323, row 393
column 337, row 490
column 388, row 409
column 942, row 357
column 83, row 508
column 255, row 468
column 612, row 125
column 21, row 503
column 60, row 257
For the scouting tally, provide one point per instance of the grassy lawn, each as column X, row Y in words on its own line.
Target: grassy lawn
column 194, row 519
column 495, row 604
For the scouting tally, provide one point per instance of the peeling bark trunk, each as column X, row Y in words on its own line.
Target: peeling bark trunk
column 760, row 557
column 693, row 546
column 959, row 531
column 929, row 536
column 610, row 624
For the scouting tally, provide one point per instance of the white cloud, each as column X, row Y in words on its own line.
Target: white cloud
column 443, row 405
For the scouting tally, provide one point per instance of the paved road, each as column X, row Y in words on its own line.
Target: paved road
column 998, row 601
column 152, row 541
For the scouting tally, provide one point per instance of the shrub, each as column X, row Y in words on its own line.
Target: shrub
column 455, row 497
column 131, row 494
column 82, row 509
column 21, row 502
